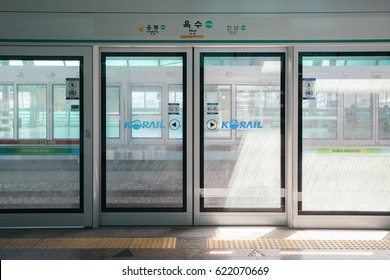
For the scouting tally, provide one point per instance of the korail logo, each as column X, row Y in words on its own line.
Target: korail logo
column 235, row 124
column 137, row 124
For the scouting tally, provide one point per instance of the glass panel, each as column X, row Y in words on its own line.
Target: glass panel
column 112, row 111
column 6, row 111
column 384, row 116
column 66, row 115
column 242, row 151
column 146, row 111
column 255, row 102
column 347, row 175
column 32, row 111
column 39, row 163
column 320, row 115
column 358, row 122
column 217, row 96
column 144, row 170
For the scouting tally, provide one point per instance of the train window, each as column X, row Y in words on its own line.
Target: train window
column 146, row 107
column 32, row 111
column 384, row 115
column 66, row 115
column 6, row 111
column 113, row 111
column 358, row 122
column 320, row 115
column 344, row 132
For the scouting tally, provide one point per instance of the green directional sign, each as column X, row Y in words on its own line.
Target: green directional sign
column 243, row 27
column 163, row 27
column 39, row 150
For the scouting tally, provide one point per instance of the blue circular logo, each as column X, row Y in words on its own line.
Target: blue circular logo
column 136, row 124
column 233, row 124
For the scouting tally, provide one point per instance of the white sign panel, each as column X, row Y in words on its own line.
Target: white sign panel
column 72, row 88
column 212, row 108
column 309, row 88
column 173, row 108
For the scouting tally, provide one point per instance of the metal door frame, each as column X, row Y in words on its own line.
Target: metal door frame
column 53, row 219
column 139, row 217
column 327, row 221
column 235, row 218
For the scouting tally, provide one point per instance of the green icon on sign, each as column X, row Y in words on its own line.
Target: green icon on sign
column 243, row 27
column 163, row 27
column 209, row 24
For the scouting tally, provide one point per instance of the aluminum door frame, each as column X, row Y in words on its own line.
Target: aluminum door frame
column 84, row 219
column 327, row 221
column 152, row 218
column 234, row 218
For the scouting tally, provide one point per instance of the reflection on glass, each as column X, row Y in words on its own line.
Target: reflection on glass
column 66, row 115
column 144, row 166
column 254, row 102
column 242, row 133
column 348, row 174
column 320, row 116
column 358, row 122
column 6, row 111
column 32, row 111
column 112, row 111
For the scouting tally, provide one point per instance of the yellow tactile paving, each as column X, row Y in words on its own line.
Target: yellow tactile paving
column 165, row 243
column 170, row 243
column 279, row 243
column 87, row 243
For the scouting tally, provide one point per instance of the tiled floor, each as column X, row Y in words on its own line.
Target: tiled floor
column 184, row 243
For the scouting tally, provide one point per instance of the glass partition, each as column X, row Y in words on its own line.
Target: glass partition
column 242, row 97
column 40, row 124
column 344, row 98
column 143, row 168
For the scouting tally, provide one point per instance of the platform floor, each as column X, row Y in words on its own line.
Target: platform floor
column 217, row 243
